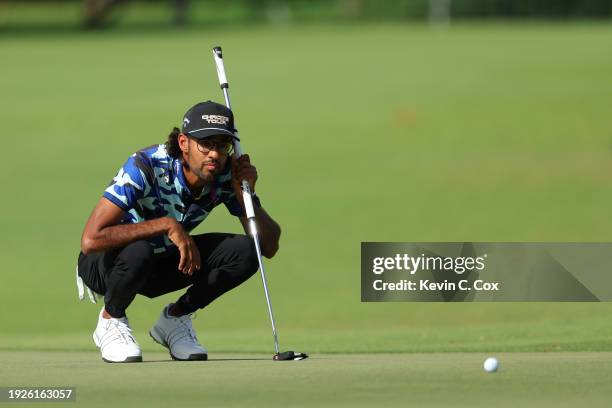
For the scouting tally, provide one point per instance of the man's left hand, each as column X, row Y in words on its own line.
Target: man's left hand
column 242, row 169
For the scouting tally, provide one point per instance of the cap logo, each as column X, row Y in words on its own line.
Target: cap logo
column 216, row 119
column 185, row 122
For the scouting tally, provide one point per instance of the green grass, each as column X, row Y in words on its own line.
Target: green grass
column 360, row 133
column 524, row 379
column 571, row 334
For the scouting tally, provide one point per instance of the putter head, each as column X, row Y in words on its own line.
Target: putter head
column 289, row 355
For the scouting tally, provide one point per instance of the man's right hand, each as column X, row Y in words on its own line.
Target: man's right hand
column 104, row 231
column 190, row 254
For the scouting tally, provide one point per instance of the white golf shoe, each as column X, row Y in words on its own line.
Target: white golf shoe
column 115, row 340
column 178, row 336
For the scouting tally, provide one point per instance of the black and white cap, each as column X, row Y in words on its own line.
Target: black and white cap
column 207, row 119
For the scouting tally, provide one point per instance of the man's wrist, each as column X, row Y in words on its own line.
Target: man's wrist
column 256, row 201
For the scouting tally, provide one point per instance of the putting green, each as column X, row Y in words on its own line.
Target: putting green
column 438, row 379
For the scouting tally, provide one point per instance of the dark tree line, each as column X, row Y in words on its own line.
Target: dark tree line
column 533, row 8
column 96, row 12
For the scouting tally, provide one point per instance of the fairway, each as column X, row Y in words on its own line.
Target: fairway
column 350, row 380
column 380, row 132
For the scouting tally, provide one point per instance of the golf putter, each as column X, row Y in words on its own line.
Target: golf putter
column 250, row 214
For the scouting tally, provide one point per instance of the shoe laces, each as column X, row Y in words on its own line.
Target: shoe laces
column 183, row 330
column 119, row 329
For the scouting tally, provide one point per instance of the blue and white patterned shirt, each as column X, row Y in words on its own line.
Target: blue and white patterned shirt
column 151, row 185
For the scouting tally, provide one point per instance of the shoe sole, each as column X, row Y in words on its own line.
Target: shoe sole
column 192, row 357
column 131, row 359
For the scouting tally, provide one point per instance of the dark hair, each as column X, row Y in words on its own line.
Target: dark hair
column 172, row 145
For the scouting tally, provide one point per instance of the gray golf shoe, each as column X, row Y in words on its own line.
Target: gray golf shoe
column 178, row 336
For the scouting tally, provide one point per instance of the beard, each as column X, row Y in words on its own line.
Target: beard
column 198, row 168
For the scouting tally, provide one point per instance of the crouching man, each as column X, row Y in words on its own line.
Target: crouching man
column 137, row 241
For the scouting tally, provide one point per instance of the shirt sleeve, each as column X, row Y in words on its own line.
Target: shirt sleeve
column 227, row 195
column 128, row 186
column 233, row 205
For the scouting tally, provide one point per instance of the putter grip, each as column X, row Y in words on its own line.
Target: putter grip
column 246, row 190
column 248, row 200
column 218, row 54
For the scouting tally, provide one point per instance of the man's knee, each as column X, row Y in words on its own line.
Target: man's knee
column 249, row 255
column 246, row 256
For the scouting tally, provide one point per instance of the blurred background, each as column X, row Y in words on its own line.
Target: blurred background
column 38, row 14
column 409, row 121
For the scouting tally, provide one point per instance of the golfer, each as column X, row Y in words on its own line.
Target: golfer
column 137, row 241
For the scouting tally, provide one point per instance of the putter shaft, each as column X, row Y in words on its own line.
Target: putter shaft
column 246, row 193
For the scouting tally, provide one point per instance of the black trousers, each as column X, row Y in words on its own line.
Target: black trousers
column 120, row 274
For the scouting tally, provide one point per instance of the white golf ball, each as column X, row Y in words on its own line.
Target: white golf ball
column 491, row 365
